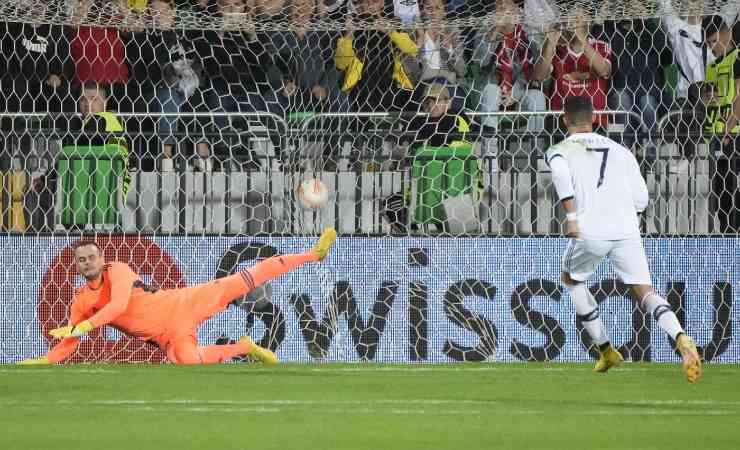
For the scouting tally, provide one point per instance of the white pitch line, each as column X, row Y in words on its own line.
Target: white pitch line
column 413, row 369
column 249, row 402
column 425, row 412
column 369, row 368
column 329, row 368
column 675, row 402
column 185, row 403
column 652, row 412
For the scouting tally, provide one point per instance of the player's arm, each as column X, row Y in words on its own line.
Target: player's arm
column 67, row 346
column 121, row 284
column 668, row 18
column 734, row 117
column 543, row 66
column 600, row 62
column 640, row 196
column 563, row 183
column 121, row 280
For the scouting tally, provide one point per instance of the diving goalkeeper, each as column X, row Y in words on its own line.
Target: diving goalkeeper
column 114, row 295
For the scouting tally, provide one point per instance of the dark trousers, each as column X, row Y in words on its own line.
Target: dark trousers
column 726, row 198
column 725, row 194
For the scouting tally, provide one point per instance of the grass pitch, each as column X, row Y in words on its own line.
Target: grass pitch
column 468, row 406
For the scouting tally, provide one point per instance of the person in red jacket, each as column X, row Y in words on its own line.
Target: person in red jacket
column 98, row 53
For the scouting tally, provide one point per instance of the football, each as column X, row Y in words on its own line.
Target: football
column 312, row 194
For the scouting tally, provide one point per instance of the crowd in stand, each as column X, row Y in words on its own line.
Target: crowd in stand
column 511, row 65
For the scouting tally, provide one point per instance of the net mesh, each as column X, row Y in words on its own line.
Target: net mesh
column 427, row 123
column 271, row 15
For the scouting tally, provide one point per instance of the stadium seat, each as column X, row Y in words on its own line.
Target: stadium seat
column 12, row 190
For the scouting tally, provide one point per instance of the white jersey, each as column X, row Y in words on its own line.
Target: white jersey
column 604, row 180
column 689, row 50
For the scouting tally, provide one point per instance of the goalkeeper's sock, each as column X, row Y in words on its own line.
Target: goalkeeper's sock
column 661, row 311
column 276, row 266
column 241, row 283
column 588, row 311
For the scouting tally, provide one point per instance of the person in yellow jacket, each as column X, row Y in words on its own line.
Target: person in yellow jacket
column 723, row 121
column 443, row 126
column 380, row 68
column 95, row 126
column 102, row 127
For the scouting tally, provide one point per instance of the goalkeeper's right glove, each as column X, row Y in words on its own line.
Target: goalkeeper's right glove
column 34, row 361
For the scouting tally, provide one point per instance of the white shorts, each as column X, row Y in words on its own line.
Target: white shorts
column 582, row 257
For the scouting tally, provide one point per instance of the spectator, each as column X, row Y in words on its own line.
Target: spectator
column 203, row 7
column 505, row 56
column 301, row 73
column 406, row 10
column 440, row 49
column 96, row 126
column 36, row 68
column 538, row 14
column 441, row 127
column 691, row 56
column 441, row 54
column 98, row 52
column 372, row 62
column 99, row 126
column 579, row 64
column 234, row 64
column 164, row 64
column 270, row 10
column 639, row 49
column 723, row 121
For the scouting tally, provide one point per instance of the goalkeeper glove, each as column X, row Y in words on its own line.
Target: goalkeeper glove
column 78, row 330
column 34, row 361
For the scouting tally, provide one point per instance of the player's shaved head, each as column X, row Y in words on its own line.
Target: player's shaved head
column 579, row 114
column 85, row 243
column 88, row 259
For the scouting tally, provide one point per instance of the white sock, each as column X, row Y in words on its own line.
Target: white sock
column 588, row 311
column 661, row 311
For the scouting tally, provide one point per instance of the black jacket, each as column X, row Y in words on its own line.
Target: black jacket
column 151, row 54
column 232, row 58
column 34, row 53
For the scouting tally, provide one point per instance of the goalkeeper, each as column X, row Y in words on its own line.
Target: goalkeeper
column 114, row 295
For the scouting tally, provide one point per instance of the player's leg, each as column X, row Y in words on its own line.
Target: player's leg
column 186, row 351
column 210, row 298
column 276, row 266
column 579, row 262
column 629, row 261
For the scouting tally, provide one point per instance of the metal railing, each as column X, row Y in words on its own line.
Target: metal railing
column 517, row 198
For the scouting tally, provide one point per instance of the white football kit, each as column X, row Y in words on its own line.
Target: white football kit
column 604, row 181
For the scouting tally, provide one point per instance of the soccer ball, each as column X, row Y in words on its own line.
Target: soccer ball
column 312, row 194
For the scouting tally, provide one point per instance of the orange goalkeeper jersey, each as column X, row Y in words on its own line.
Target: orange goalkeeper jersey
column 120, row 299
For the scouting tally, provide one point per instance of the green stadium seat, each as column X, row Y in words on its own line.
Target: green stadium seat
column 89, row 184
column 438, row 173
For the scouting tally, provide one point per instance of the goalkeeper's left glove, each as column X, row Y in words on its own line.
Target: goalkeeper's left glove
column 78, row 330
column 34, row 361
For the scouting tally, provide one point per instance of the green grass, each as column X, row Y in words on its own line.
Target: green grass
column 471, row 406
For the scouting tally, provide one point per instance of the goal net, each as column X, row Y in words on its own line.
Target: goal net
column 175, row 134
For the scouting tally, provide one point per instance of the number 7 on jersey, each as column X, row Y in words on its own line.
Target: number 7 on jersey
column 604, row 155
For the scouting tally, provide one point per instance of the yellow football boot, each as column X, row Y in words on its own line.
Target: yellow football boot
column 607, row 359
column 691, row 361
column 325, row 242
column 265, row 355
